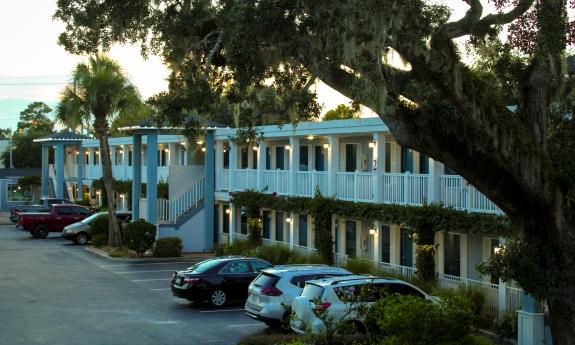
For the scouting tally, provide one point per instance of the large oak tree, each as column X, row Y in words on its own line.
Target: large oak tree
column 521, row 157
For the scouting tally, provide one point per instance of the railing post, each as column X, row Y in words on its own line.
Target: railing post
column 356, row 185
column 233, row 166
column 333, row 165
column 378, row 165
column 262, row 153
column 406, row 188
column 219, row 164
column 467, row 189
column 293, row 164
column 434, row 184
column 313, row 183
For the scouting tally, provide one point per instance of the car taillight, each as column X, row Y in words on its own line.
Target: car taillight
column 323, row 306
column 191, row 280
column 271, row 291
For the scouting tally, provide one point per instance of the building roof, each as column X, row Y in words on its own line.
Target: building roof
column 148, row 124
column 19, row 172
column 62, row 136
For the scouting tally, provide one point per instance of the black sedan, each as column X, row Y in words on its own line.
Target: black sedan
column 218, row 280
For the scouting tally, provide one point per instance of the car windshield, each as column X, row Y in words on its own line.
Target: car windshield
column 94, row 216
column 204, row 266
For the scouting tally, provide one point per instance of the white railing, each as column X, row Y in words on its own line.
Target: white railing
column 277, row 181
column 355, row 186
column 240, row 236
column 458, row 193
column 188, row 198
column 404, row 271
column 513, row 298
column 340, row 259
column 246, row 179
column 304, row 249
column 308, row 181
column 223, row 180
column 163, row 210
column 270, row 242
column 417, row 189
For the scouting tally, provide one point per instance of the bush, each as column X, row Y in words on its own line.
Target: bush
column 255, row 231
column 506, row 324
column 360, row 266
column 99, row 231
column 83, row 203
column 139, row 236
column 293, row 339
column 237, row 247
column 413, row 320
column 275, row 254
column 168, row 246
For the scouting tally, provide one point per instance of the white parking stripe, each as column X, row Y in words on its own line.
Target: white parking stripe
column 220, row 310
column 247, row 325
column 163, row 289
column 150, row 280
column 130, row 272
column 151, row 263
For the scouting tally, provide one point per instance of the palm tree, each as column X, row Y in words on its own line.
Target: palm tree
column 99, row 91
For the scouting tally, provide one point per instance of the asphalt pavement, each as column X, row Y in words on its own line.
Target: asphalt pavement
column 54, row 292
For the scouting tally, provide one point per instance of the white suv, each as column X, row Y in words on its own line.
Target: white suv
column 275, row 288
column 334, row 300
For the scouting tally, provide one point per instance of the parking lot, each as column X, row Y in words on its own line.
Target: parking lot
column 55, row 292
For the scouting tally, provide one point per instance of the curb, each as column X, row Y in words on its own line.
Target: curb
column 144, row 260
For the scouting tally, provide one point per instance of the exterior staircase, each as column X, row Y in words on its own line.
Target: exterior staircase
column 183, row 206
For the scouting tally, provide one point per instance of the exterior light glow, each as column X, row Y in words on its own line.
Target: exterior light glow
column 373, row 231
column 255, row 148
column 199, row 142
column 310, row 137
column 288, row 147
column 498, row 249
column 183, row 143
column 371, row 144
column 228, row 211
column 203, row 149
column 326, row 146
column 288, row 220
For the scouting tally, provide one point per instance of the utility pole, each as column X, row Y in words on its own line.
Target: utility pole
column 10, row 149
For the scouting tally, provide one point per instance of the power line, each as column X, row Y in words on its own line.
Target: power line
column 29, row 84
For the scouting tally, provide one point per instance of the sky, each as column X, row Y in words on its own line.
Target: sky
column 33, row 67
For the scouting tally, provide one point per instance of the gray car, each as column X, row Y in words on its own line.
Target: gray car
column 79, row 232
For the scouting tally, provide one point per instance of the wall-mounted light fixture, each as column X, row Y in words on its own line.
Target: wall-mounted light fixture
column 371, row 144
column 255, row 148
column 228, row 211
column 373, row 231
column 203, row 149
column 498, row 249
column 288, row 220
column 310, row 137
column 167, row 150
column 288, row 147
column 326, row 146
column 199, row 142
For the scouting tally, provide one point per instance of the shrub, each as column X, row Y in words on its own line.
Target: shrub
column 99, row 231
column 139, row 236
column 360, row 266
column 506, row 324
column 413, row 320
column 237, row 247
column 293, row 339
column 255, row 231
column 83, row 203
column 275, row 254
column 168, row 246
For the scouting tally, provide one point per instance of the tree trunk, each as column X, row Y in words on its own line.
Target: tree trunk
column 114, row 234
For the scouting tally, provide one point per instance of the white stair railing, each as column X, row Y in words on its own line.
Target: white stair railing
column 188, row 198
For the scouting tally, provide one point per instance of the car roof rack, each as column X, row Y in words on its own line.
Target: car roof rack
column 302, row 266
column 357, row 277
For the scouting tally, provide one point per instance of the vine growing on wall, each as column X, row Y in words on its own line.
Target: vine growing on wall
column 246, row 136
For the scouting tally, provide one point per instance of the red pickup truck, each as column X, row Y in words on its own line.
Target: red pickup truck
column 40, row 224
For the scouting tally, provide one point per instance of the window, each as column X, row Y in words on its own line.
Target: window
column 279, row 226
column 226, row 220
column 494, row 243
column 350, row 157
column 87, row 157
column 237, row 267
column 226, row 157
column 280, row 158
column 268, row 158
column 299, row 281
column 162, row 158
column 266, row 224
column 65, row 211
column 319, row 158
column 130, row 158
column 259, row 265
column 385, row 243
column 423, row 164
column 96, row 157
column 303, row 158
column 244, row 221
column 204, row 266
column 405, row 249
column 265, row 280
column 182, row 155
column 302, row 230
column 244, row 160
column 404, row 289
column 312, row 291
column 254, row 159
column 119, row 156
column 451, row 249
column 360, row 293
column 406, row 160
column 81, row 211
column 387, row 157
column 350, row 237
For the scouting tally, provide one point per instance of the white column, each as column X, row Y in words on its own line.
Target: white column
column 273, row 217
column 342, row 244
column 125, row 160
column 219, row 163
column 221, row 216
column 293, row 164
column 310, row 232
column 233, row 222
column 502, row 289
column 358, row 238
column 333, row 164
column 463, row 255
column 173, row 155
column 294, row 227
column 261, row 164
column 436, row 170
column 395, row 158
column 233, row 165
column 440, row 252
column 379, row 164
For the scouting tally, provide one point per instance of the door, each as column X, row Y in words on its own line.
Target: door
column 81, row 213
column 266, row 224
column 236, row 277
column 350, row 238
column 64, row 217
column 406, row 249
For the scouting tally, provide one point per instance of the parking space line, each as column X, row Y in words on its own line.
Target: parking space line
column 247, row 325
column 220, row 311
column 162, row 289
column 150, row 263
column 130, row 272
column 149, row 280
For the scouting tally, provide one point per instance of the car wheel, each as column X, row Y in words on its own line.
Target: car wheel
column 81, row 238
column 41, row 231
column 218, row 298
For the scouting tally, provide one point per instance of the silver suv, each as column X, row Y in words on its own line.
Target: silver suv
column 335, row 300
column 271, row 294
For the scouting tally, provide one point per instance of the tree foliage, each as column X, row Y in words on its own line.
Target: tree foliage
column 35, row 118
column 433, row 102
column 341, row 112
